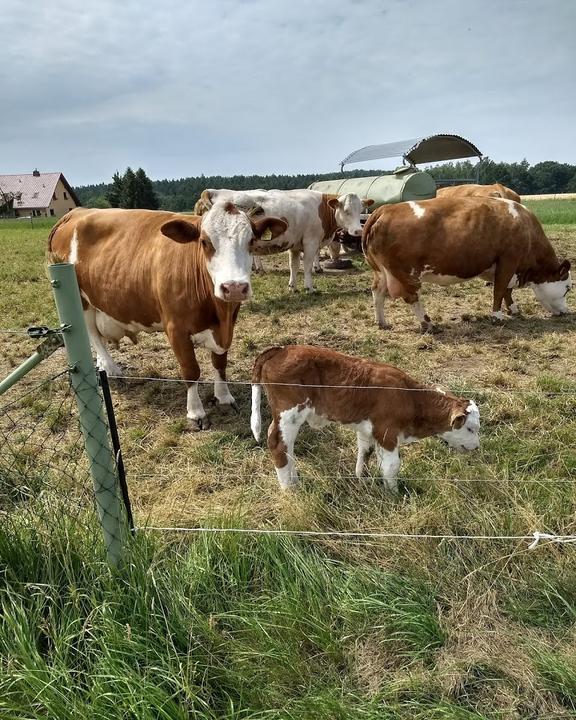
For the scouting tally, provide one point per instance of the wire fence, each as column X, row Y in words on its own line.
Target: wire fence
column 60, row 460
column 44, row 471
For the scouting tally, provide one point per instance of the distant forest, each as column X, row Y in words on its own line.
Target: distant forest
column 181, row 195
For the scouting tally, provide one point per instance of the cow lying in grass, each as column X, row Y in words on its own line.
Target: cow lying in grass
column 448, row 240
column 385, row 406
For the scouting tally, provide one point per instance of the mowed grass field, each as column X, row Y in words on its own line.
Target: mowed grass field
column 248, row 626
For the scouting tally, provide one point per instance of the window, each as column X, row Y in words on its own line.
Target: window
column 65, row 196
column 54, row 197
column 52, row 211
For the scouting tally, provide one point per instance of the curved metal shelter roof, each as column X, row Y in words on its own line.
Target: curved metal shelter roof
column 433, row 148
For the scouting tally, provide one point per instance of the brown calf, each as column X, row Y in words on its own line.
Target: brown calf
column 385, row 407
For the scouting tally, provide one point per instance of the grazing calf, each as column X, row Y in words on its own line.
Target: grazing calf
column 448, row 240
column 385, row 406
column 313, row 219
column 473, row 190
column 153, row 271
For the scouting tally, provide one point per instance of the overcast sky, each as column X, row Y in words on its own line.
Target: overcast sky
column 184, row 87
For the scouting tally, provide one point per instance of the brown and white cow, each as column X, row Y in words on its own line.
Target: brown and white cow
column 473, row 190
column 448, row 240
column 312, row 217
column 384, row 405
column 150, row 271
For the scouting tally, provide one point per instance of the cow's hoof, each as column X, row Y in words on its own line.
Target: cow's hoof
column 292, row 288
column 428, row 329
column 319, row 270
column 384, row 326
column 197, row 424
column 230, row 406
column 498, row 318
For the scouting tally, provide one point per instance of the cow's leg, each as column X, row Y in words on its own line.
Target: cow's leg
column 294, row 263
column 310, row 252
column 317, row 267
column 334, row 249
column 103, row 357
column 389, row 463
column 387, row 454
column 257, row 265
column 183, row 349
column 281, row 438
column 365, row 445
column 421, row 315
column 379, row 293
column 221, row 391
column 513, row 309
column 502, row 278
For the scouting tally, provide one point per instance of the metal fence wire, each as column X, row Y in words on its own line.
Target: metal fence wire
column 46, row 476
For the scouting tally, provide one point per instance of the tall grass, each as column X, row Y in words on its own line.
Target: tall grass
column 217, row 627
column 553, row 212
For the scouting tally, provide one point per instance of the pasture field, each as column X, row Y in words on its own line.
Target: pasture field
column 230, row 626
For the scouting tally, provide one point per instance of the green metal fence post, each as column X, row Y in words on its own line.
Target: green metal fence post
column 90, row 407
column 44, row 350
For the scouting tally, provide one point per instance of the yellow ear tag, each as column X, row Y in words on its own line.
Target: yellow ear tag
column 266, row 235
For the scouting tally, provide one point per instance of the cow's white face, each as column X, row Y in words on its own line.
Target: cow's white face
column 465, row 433
column 347, row 211
column 552, row 295
column 226, row 235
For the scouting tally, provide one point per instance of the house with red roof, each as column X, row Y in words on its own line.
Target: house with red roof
column 37, row 195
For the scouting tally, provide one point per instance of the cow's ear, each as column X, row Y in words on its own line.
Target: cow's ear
column 457, row 420
column 334, row 202
column 180, row 231
column 269, row 228
column 366, row 202
column 564, row 269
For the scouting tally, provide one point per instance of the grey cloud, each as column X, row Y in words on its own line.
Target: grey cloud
column 268, row 86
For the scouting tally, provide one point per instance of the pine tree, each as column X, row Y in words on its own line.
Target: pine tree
column 129, row 189
column 114, row 194
column 145, row 195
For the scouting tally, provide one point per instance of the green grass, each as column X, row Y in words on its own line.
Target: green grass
column 218, row 627
column 553, row 212
column 264, row 627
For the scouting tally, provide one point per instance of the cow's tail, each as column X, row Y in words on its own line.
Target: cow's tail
column 255, row 416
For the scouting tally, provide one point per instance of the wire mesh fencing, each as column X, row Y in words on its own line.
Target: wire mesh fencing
column 46, row 474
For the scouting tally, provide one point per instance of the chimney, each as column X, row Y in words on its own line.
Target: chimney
column 36, row 173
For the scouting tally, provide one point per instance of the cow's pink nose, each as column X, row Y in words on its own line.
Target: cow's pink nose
column 235, row 291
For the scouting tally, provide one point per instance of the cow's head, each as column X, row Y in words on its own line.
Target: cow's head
column 226, row 236
column 464, row 426
column 552, row 294
column 347, row 210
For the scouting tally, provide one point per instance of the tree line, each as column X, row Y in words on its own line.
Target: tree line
column 135, row 189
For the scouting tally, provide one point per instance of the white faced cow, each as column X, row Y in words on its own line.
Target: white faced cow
column 142, row 270
column 448, row 240
column 312, row 217
column 384, row 405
